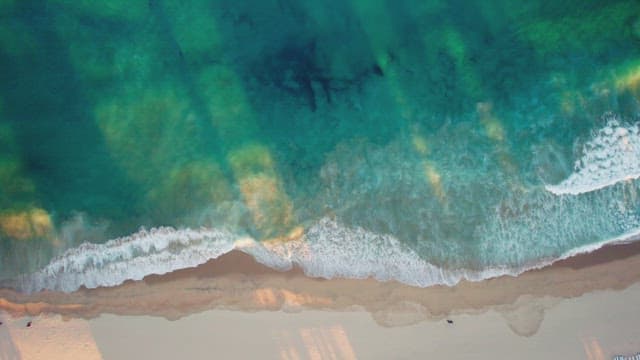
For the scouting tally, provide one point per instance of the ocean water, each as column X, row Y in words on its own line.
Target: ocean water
column 419, row 141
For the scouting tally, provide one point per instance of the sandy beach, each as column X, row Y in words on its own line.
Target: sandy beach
column 594, row 326
column 582, row 307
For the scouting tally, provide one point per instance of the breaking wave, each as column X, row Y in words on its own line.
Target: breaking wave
column 327, row 250
column 156, row 251
column 612, row 156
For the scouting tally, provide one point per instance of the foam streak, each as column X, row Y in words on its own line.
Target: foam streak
column 327, row 250
column 612, row 156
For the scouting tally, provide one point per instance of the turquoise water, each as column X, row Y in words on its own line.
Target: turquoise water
column 423, row 141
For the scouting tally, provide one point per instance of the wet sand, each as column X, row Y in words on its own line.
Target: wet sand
column 579, row 301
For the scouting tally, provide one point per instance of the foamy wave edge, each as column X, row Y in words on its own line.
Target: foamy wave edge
column 327, row 250
column 610, row 157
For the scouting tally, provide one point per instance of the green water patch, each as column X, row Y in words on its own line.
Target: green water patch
column 17, row 191
column 119, row 10
column 585, row 30
column 16, row 39
column 6, row 5
column 227, row 106
column 154, row 138
column 194, row 27
column 147, row 130
column 186, row 189
column 105, row 55
column 60, row 149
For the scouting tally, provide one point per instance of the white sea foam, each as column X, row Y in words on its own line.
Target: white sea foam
column 327, row 250
column 612, row 156
column 157, row 251
column 331, row 250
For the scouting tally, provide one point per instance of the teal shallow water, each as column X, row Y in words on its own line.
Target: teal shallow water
column 421, row 141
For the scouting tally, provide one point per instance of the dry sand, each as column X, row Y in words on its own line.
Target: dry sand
column 232, row 307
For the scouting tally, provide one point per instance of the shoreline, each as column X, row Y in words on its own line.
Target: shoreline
column 233, row 307
column 235, row 281
column 595, row 326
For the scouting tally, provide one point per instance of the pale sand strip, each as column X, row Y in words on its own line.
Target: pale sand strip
column 595, row 326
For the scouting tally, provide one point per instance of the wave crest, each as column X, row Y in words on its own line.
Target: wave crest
column 327, row 250
column 612, row 156
column 155, row 251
